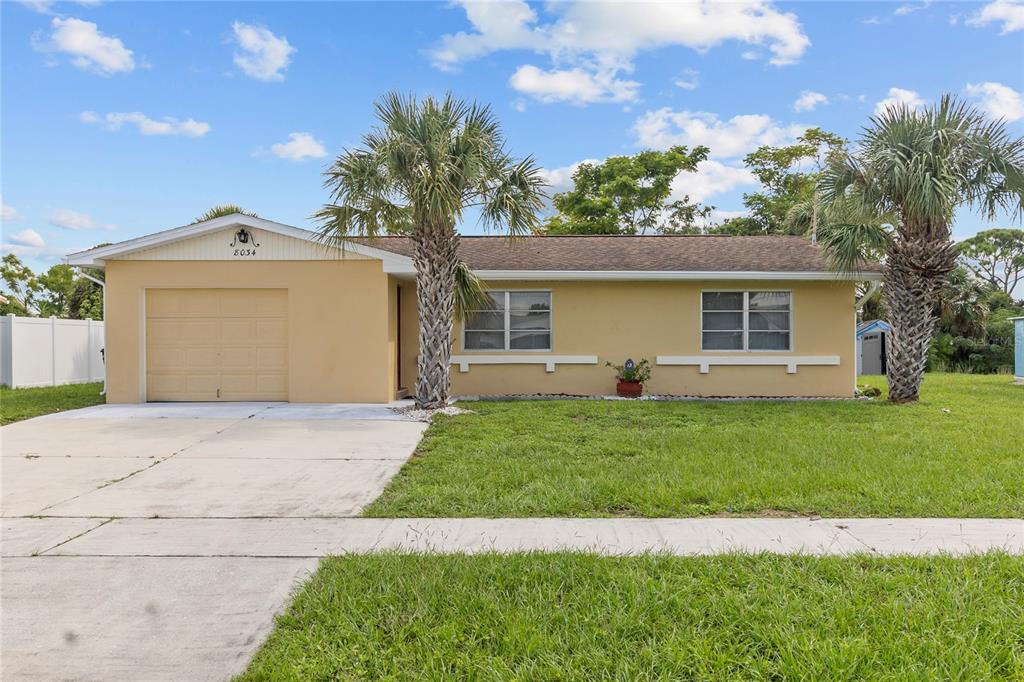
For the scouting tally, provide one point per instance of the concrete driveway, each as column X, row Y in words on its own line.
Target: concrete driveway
column 96, row 583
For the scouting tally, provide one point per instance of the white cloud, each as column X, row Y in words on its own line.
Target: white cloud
column 997, row 100
column 28, row 237
column 41, row 6
column 88, row 49
column 621, row 30
column 897, row 97
column 910, row 8
column 590, row 43
column 808, row 100
column 67, row 219
column 711, row 178
column 30, row 244
column 46, row 6
column 300, row 146
column 688, row 80
column 147, row 126
column 1009, row 12
column 263, row 55
column 7, row 213
column 576, row 85
column 664, row 127
column 721, row 216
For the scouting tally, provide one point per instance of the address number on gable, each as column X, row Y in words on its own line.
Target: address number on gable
column 244, row 244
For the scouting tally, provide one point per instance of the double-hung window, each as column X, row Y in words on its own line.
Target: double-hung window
column 746, row 320
column 512, row 320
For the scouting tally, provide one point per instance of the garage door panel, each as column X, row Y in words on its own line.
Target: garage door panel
column 182, row 387
column 202, row 385
column 271, row 359
column 273, row 332
column 201, row 303
column 238, row 330
column 201, row 359
column 164, row 332
column 245, row 386
column 201, row 332
column 238, row 358
column 201, row 342
column 161, row 359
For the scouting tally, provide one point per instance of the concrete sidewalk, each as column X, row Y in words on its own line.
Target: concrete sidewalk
column 312, row 537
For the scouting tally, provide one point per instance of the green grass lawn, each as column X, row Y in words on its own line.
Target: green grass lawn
column 957, row 453
column 580, row 617
column 24, row 403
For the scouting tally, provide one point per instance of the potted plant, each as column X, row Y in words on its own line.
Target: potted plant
column 631, row 376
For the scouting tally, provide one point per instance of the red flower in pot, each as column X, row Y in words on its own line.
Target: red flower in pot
column 631, row 377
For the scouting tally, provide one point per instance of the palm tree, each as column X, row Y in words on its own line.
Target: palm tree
column 222, row 210
column 417, row 174
column 917, row 168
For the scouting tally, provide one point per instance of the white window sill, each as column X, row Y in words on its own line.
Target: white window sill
column 549, row 361
column 790, row 362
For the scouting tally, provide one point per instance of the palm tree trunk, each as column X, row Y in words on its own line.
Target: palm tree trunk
column 436, row 260
column 913, row 274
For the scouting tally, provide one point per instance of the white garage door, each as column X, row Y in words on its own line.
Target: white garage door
column 216, row 344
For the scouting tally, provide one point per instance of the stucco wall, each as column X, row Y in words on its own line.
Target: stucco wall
column 338, row 322
column 616, row 320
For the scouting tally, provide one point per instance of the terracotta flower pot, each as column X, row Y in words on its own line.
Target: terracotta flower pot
column 629, row 389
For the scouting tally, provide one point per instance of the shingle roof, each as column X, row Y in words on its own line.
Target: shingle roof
column 703, row 253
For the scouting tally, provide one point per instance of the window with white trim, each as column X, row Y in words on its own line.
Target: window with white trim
column 514, row 320
column 746, row 320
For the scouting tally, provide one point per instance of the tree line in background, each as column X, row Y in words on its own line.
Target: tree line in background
column 58, row 292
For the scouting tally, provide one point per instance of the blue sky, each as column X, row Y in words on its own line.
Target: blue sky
column 124, row 118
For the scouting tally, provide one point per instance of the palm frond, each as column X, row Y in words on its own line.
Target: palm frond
column 470, row 292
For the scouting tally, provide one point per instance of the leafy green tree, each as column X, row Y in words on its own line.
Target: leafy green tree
column 86, row 300
column 416, row 174
column 56, row 285
column 788, row 177
column 629, row 195
column 996, row 256
column 222, row 210
column 21, row 286
column 918, row 167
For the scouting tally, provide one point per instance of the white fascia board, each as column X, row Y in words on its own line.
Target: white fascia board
column 640, row 275
column 393, row 262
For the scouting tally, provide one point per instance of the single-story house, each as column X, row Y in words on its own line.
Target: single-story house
column 240, row 308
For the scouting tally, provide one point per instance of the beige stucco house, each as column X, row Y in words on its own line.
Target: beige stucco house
column 240, row 308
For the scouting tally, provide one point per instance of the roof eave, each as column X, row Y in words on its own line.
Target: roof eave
column 640, row 275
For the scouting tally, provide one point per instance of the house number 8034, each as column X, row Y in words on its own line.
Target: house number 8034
column 245, row 252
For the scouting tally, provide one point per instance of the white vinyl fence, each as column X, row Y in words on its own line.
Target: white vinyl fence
column 49, row 351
